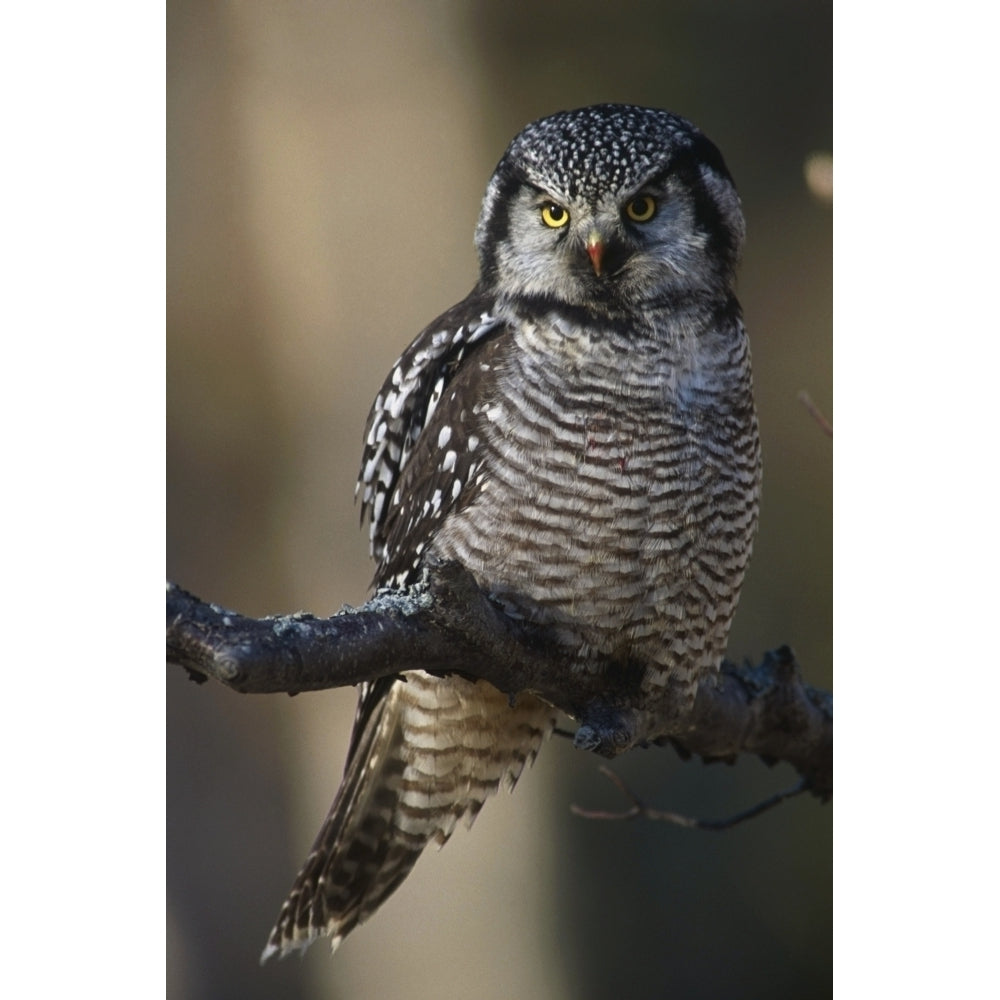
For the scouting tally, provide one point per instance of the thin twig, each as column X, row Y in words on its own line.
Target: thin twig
column 640, row 810
column 814, row 411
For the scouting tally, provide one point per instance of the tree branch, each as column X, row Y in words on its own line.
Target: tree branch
column 639, row 809
column 445, row 619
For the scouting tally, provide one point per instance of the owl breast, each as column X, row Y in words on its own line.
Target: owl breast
column 615, row 496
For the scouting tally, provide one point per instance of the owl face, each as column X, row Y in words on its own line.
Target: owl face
column 609, row 206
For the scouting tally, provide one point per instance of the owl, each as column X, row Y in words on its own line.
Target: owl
column 579, row 433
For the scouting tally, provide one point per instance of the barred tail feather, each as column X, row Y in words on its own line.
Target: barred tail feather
column 427, row 753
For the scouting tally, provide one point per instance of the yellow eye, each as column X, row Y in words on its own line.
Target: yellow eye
column 641, row 208
column 554, row 215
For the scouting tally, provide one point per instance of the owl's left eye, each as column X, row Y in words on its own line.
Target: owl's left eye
column 641, row 208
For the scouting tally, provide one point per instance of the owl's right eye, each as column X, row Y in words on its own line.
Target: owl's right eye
column 554, row 216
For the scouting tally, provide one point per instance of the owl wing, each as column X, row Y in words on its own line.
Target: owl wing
column 397, row 479
column 425, row 751
column 407, row 481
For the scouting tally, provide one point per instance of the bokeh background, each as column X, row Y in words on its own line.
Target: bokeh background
column 325, row 167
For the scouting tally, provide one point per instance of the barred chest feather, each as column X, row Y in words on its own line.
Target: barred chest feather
column 614, row 490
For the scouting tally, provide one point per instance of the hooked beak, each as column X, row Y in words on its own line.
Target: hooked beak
column 595, row 251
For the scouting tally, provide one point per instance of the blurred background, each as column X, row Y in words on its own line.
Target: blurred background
column 326, row 163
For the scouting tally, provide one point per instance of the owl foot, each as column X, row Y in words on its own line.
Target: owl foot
column 606, row 730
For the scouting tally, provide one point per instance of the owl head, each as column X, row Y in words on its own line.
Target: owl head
column 610, row 205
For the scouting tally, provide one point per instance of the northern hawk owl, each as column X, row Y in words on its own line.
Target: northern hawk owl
column 579, row 433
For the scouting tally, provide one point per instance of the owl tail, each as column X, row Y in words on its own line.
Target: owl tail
column 426, row 751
